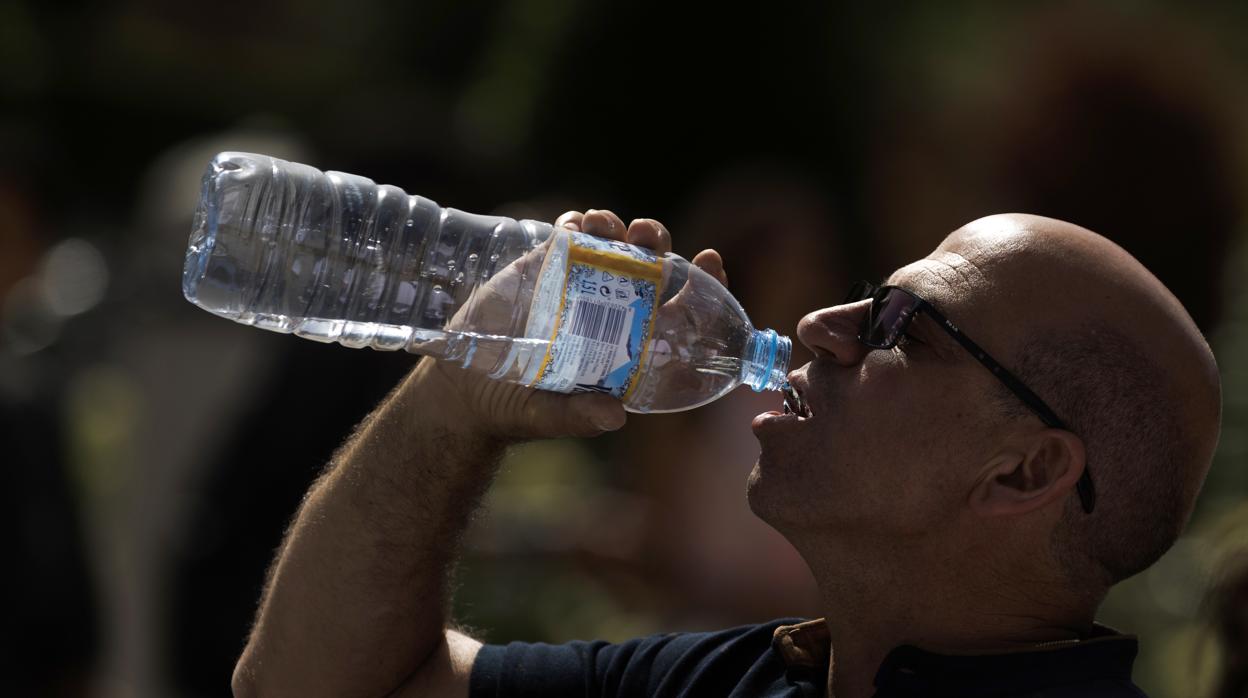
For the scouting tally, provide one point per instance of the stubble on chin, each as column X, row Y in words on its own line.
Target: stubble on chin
column 783, row 490
column 760, row 497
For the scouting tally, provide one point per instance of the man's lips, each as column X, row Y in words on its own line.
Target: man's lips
column 794, row 410
column 774, row 419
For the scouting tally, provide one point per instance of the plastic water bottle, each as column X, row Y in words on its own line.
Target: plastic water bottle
column 337, row 258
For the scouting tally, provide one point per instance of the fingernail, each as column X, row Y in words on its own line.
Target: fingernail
column 607, row 422
column 601, row 220
column 571, row 225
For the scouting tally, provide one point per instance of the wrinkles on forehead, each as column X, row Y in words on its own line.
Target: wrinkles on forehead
column 943, row 277
column 960, row 279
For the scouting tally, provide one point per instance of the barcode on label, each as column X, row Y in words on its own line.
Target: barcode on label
column 599, row 321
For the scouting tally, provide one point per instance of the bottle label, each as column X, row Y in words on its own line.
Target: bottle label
column 605, row 318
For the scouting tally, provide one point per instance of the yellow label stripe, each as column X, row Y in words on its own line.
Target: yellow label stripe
column 618, row 263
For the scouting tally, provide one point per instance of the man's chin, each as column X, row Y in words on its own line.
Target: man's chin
column 752, row 481
column 778, row 493
column 761, row 497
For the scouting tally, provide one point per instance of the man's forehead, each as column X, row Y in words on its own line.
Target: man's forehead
column 942, row 275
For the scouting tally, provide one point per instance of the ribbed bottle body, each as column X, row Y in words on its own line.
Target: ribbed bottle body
column 338, row 258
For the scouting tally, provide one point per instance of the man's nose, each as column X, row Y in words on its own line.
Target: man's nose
column 833, row 332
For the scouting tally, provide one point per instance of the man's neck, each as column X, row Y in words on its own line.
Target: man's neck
column 873, row 607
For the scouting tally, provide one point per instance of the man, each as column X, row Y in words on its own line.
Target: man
column 980, row 452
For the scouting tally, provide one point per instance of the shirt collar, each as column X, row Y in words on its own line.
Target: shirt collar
column 909, row 670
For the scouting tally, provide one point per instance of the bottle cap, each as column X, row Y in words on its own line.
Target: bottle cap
column 767, row 360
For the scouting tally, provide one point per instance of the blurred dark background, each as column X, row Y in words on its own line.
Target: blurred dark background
column 153, row 454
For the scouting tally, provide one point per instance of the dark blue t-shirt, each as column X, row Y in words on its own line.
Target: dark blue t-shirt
column 737, row 662
column 790, row 658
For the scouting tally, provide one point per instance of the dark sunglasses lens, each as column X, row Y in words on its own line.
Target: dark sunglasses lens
column 888, row 314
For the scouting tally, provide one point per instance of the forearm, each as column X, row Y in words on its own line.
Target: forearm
column 358, row 596
column 356, row 603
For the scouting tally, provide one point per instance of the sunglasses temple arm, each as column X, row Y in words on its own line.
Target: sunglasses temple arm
column 1085, row 488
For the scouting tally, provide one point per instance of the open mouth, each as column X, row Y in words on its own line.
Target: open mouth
column 794, row 403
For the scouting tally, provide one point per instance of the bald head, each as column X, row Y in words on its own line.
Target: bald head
column 1108, row 347
column 1063, row 273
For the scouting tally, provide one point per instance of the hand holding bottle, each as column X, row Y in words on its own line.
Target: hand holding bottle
column 507, row 410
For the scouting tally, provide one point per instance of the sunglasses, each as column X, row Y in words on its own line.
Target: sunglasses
column 892, row 310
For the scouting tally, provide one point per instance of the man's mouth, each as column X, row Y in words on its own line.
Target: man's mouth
column 794, row 403
column 796, row 409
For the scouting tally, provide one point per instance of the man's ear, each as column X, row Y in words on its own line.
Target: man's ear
column 1018, row 481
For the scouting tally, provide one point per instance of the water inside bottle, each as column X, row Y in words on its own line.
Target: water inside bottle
column 468, row 349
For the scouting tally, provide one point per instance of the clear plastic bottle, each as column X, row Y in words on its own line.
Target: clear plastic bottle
column 337, row 258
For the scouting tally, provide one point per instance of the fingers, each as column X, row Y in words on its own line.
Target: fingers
column 603, row 224
column 647, row 232
column 643, row 232
column 711, row 263
column 570, row 220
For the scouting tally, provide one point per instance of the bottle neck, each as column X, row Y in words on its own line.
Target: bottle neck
column 765, row 365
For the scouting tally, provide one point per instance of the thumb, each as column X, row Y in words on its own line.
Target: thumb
column 589, row 415
column 552, row 415
column 711, row 263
